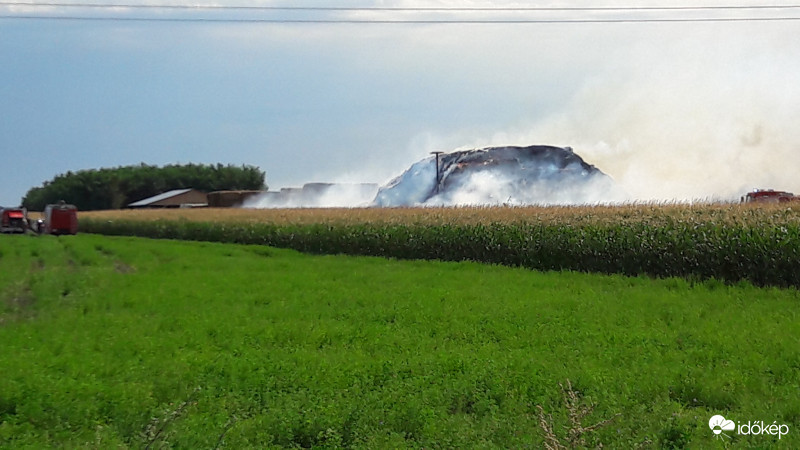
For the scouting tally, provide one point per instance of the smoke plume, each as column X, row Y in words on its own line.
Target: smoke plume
column 317, row 195
column 688, row 120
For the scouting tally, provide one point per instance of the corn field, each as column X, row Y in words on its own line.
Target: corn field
column 760, row 244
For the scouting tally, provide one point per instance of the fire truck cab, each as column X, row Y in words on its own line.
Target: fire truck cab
column 13, row 220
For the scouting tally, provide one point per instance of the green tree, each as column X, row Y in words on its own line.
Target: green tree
column 113, row 188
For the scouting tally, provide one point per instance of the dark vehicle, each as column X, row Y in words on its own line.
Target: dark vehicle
column 60, row 219
column 13, row 220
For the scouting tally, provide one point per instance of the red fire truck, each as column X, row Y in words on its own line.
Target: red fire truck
column 13, row 220
column 769, row 196
column 60, row 218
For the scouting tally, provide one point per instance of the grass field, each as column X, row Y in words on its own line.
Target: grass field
column 114, row 342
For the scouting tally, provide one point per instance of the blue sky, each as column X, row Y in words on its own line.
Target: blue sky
column 670, row 110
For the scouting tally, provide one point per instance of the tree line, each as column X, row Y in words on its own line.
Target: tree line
column 114, row 188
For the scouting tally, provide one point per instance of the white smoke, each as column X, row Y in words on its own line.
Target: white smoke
column 412, row 187
column 500, row 187
column 688, row 118
column 317, row 195
column 669, row 111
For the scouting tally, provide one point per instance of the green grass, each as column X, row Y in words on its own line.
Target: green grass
column 110, row 342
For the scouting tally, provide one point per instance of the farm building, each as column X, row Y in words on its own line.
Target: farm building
column 226, row 199
column 173, row 199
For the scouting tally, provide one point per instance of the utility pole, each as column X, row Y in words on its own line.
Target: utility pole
column 438, row 174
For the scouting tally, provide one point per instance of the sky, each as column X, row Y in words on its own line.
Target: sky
column 670, row 109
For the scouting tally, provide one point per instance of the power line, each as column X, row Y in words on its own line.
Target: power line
column 410, row 21
column 335, row 20
column 410, row 9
